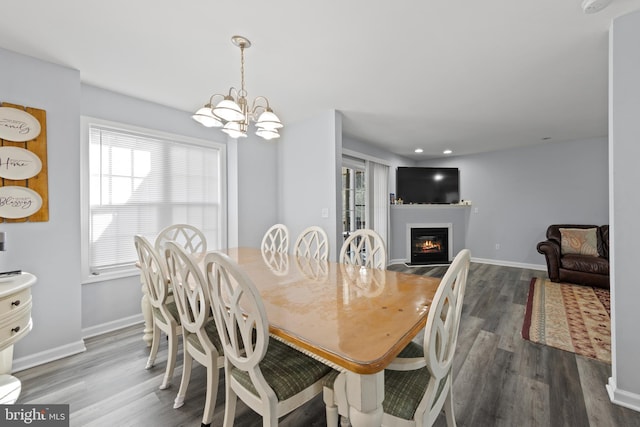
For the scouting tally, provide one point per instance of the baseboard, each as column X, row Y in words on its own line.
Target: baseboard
column 503, row 263
column 487, row 261
column 112, row 326
column 43, row 357
column 622, row 397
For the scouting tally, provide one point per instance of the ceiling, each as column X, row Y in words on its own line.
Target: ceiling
column 470, row 76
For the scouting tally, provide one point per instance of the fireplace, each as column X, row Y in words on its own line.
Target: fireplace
column 429, row 243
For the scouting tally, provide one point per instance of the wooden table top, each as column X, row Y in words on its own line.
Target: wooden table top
column 359, row 319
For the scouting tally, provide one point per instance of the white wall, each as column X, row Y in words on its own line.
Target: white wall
column 518, row 193
column 50, row 250
column 309, row 159
column 257, row 187
column 624, row 131
column 367, row 150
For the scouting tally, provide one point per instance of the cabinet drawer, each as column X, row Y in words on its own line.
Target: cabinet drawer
column 11, row 303
column 12, row 328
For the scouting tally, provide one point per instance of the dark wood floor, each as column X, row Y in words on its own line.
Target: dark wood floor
column 500, row 379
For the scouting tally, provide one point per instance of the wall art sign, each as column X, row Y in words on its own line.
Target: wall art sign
column 19, row 202
column 18, row 163
column 23, row 164
column 18, row 125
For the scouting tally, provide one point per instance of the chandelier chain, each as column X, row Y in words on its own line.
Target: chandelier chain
column 242, row 90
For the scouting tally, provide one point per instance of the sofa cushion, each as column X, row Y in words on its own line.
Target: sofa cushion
column 603, row 248
column 585, row 263
column 580, row 241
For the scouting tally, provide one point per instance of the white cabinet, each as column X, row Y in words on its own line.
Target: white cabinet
column 15, row 322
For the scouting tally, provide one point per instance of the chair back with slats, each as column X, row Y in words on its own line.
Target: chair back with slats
column 239, row 313
column 276, row 239
column 200, row 337
column 163, row 309
column 364, row 248
column 312, row 243
column 190, row 238
column 154, row 275
column 188, row 289
column 440, row 339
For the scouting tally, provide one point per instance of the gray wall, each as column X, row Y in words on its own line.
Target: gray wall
column 517, row 193
column 309, row 159
column 257, row 186
column 624, row 131
column 50, row 250
column 393, row 160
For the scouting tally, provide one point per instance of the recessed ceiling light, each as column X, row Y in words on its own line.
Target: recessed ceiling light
column 418, row 150
column 447, row 152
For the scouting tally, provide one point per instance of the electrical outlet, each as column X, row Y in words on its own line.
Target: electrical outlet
column 475, row 210
column 497, row 246
column 324, row 213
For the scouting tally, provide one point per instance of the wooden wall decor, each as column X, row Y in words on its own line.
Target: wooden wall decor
column 20, row 192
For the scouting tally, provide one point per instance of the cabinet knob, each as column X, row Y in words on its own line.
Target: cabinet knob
column 16, row 302
column 16, row 329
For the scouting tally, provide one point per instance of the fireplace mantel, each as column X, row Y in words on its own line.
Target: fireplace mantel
column 401, row 215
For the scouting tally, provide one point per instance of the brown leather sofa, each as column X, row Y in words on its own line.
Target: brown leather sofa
column 576, row 268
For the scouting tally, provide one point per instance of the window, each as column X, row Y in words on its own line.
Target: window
column 140, row 181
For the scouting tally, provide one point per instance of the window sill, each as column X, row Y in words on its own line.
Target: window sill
column 111, row 275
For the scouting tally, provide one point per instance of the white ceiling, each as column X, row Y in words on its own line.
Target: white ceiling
column 471, row 76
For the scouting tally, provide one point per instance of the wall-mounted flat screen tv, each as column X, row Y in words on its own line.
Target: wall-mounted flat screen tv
column 428, row 185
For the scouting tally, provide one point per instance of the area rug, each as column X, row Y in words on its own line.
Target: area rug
column 569, row 317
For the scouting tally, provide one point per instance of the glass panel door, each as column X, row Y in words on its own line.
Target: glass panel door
column 353, row 200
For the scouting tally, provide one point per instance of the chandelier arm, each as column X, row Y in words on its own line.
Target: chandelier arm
column 255, row 107
column 213, row 96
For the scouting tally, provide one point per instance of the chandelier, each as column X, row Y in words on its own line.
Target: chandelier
column 233, row 112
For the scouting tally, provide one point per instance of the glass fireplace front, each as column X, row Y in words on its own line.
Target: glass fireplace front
column 429, row 245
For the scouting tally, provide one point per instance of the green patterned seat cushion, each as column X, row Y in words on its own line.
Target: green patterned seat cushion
column 285, row 369
column 403, row 391
column 330, row 379
column 212, row 333
column 171, row 307
column 412, row 350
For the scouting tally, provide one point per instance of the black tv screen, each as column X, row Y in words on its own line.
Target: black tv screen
column 428, row 185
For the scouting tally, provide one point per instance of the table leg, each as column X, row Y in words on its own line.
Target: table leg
column 365, row 394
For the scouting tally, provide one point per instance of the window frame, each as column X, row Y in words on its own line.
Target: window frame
column 85, row 123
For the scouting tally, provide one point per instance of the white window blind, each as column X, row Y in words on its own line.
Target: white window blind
column 141, row 183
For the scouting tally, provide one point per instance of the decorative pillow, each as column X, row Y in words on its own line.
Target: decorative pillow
column 582, row 241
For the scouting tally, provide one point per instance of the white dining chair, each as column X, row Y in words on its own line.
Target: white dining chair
column 269, row 376
column 191, row 238
column 276, row 239
column 415, row 397
column 200, row 338
column 364, row 247
column 312, row 242
column 165, row 313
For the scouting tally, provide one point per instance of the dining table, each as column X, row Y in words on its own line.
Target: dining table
column 354, row 319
